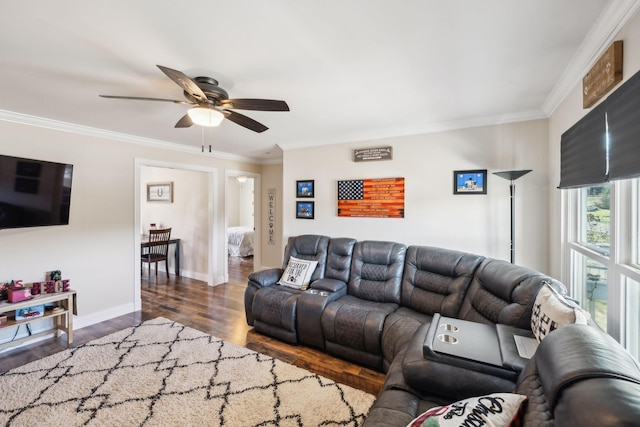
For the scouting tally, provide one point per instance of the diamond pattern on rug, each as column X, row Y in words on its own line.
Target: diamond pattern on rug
column 161, row 373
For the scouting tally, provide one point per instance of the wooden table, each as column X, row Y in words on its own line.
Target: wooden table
column 144, row 243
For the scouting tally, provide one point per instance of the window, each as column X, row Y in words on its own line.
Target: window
column 603, row 244
column 594, row 282
column 632, row 300
column 595, row 218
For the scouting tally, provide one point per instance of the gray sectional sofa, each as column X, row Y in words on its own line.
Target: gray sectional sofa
column 390, row 307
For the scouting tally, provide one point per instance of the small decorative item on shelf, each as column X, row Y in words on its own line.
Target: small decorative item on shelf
column 55, row 275
column 18, row 293
column 50, row 287
column 4, row 290
column 30, row 312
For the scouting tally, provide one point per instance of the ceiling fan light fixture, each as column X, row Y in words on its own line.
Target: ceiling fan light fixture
column 205, row 116
column 241, row 178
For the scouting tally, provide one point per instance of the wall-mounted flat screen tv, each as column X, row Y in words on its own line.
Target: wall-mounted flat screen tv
column 34, row 193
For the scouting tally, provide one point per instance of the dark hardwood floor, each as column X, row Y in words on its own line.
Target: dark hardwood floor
column 217, row 310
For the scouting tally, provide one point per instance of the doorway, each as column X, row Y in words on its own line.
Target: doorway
column 240, row 219
column 206, row 263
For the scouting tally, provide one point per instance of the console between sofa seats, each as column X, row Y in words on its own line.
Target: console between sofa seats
column 451, row 376
column 312, row 303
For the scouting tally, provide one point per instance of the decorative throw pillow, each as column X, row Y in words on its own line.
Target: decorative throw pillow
column 298, row 273
column 551, row 311
column 493, row 410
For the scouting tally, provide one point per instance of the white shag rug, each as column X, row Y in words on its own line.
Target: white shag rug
column 161, row 373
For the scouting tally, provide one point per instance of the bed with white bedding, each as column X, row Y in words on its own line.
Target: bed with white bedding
column 240, row 241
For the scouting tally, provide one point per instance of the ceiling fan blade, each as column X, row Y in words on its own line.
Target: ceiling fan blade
column 255, row 104
column 184, row 82
column 140, row 98
column 244, row 121
column 184, row 122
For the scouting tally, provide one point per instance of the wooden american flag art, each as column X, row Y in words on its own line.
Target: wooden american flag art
column 375, row 198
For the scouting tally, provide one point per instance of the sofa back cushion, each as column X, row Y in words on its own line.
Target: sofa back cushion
column 308, row 247
column 501, row 292
column 435, row 280
column 339, row 258
column 376, row 271
column 579, row 375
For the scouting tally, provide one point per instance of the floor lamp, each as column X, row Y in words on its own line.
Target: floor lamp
column 512, row 176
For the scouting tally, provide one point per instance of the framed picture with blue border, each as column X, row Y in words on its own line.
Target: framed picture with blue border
column 305, row 188
column 470, row 181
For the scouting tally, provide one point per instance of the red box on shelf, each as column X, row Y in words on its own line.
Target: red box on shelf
column 17, row 295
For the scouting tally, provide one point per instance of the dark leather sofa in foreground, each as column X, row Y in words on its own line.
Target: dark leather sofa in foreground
column 443, row 325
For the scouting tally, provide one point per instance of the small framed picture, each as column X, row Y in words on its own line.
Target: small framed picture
column 305, row 210
column 470, row 182
column 160, row 192
column 304, row 188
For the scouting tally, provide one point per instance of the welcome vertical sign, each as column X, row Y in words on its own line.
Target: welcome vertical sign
column 271, row 216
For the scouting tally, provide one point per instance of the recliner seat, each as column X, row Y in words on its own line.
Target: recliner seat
column 352, row 324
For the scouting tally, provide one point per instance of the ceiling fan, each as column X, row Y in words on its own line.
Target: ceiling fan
column 211, row 103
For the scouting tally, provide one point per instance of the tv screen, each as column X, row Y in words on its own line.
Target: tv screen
column 34, row 193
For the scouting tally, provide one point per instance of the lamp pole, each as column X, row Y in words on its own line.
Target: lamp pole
column 512, row 176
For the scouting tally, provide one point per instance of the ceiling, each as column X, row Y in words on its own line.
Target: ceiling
column 349, row 70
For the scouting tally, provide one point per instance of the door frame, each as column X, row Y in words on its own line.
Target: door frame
column 257, row 215
column 214, row 271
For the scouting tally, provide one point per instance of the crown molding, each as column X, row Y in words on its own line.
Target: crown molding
column 613, row 17
column 377, row 134
column 29, row 120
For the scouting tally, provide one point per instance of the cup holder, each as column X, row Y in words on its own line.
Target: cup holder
column 324, row 294
column 312, row 291
column 449, row 328
column 448, row 339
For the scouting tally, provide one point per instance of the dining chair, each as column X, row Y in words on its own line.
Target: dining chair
column 158, row 249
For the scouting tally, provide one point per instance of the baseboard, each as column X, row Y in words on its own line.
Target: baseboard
column 80, row 322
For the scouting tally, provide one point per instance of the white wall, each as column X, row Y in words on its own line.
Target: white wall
column 566, row 115
column 97, row 250
column 246, row 203
column 240, row 202
column 433, row 214
column 187, row 216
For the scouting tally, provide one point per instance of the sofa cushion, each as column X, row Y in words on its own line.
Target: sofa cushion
column 501, row 292
column 298, row 273
column 376, row 271
column 435, row 280
column 399, row 327
column 275, row 312
column 310, row 247
column 551, row 311
column 497, row 410
column 339, row 258
column 356, row 323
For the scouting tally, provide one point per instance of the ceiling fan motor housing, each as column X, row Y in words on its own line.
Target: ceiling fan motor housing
column 210, row 87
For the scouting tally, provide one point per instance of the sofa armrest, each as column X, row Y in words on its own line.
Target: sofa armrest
column 258, row 280
column 329, row 285
column 266, row 277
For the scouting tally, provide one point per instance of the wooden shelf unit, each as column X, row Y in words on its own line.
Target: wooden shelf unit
column 61, row 313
